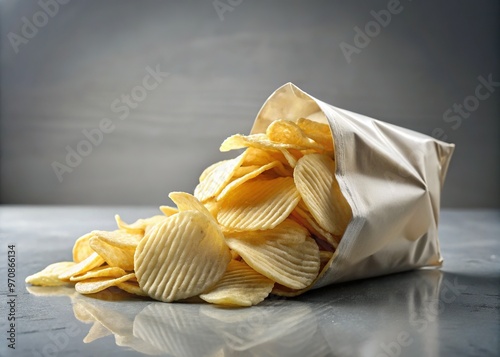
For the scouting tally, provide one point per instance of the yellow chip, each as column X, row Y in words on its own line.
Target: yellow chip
column 188, row 202
column 208, row 171
column 306, row 219
column 217, row 179
column 114, row 256
column 239, row 286
column 260, row 141
column 131, row 288
column 182, row 257
column 248, row 176
column 168, row 211
column 49, row 276
column 319, row 132
column 81, row 248
column 287, row 132
column 212, row 207
column 100, row 272
column 138, row 227
column 285, row 254
column 93, row 261
column 315, row 180
column 258, row 204
column 120, row 238
column 95, row 285
column 245, row 170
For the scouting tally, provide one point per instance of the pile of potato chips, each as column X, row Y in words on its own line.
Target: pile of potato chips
column 267, row 221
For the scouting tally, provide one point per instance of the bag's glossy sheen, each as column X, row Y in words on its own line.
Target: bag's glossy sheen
column 391, row 177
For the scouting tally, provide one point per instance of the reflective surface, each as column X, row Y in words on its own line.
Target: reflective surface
column 452, row 311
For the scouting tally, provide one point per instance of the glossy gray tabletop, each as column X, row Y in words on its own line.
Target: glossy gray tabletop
column 453, row 311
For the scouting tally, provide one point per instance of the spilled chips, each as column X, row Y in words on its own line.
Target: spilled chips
column 267, row 221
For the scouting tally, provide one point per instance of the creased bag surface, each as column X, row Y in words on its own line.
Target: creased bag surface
column 391, row 177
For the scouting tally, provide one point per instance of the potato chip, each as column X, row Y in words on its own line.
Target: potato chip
column 287, row 132
column 182, row 257
column 208, row 171
column 258, row 204
column 92, row 286
column 306, row 219
column 217, row 179
column 114, row 256
column 250, row 175
column 93, row 261
column 49, row 276
column 212, row 206
column 286, row 254
column 260, row 141
column 81, row 248
column 168, row 211
column 132, row 288
column 315, row 179
column 139, row 226
column 239, row 286
column 244, row 170
column 100, row 272
column 120, row 238
column 319, row 132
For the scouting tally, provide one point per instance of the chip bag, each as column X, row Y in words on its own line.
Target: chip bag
column 391, row 178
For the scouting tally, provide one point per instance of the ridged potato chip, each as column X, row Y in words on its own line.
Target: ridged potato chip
column 306, row 219
column 49, row 276
column 287, row 132
column 92, row 261
column 215, row 181
column 131, row 288
column 188, row 202
column 168, row 211
column 286, row 254
column 181, row 257
column 259, row 204
column 92, row 286
column 260, row 141
column 114, row 256
column 100, row 272
column 248, row 176
column 239, row 286
column 319, row 132
column 315, row 179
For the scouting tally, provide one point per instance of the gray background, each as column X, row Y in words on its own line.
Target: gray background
column 220, row 72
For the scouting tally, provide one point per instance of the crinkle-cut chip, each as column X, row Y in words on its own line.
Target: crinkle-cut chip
column 258, row 157
column 92, row 261
column 325, row 256
column 315, row 179
column 280, row 257
column 100, row 272
column 182, row 257
column 168, row 211
column 187, row 202
column 208, row 171
column 114, row 256
column 258, row 204
column 81, row 248
column 212, row 206
column 288, row 230
column 287, row 132
column 139, row 226
column 280, row 290
column 241, row 180
column 239, row 286
column 95, row 285
column 217, row 179
column 49, row 276
column 120, row 238
column 131, row 288
column 244, row 170
column 235, row 255
column 96, row 332
column 319, row 132
column 260, row 141
column 307, row 220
